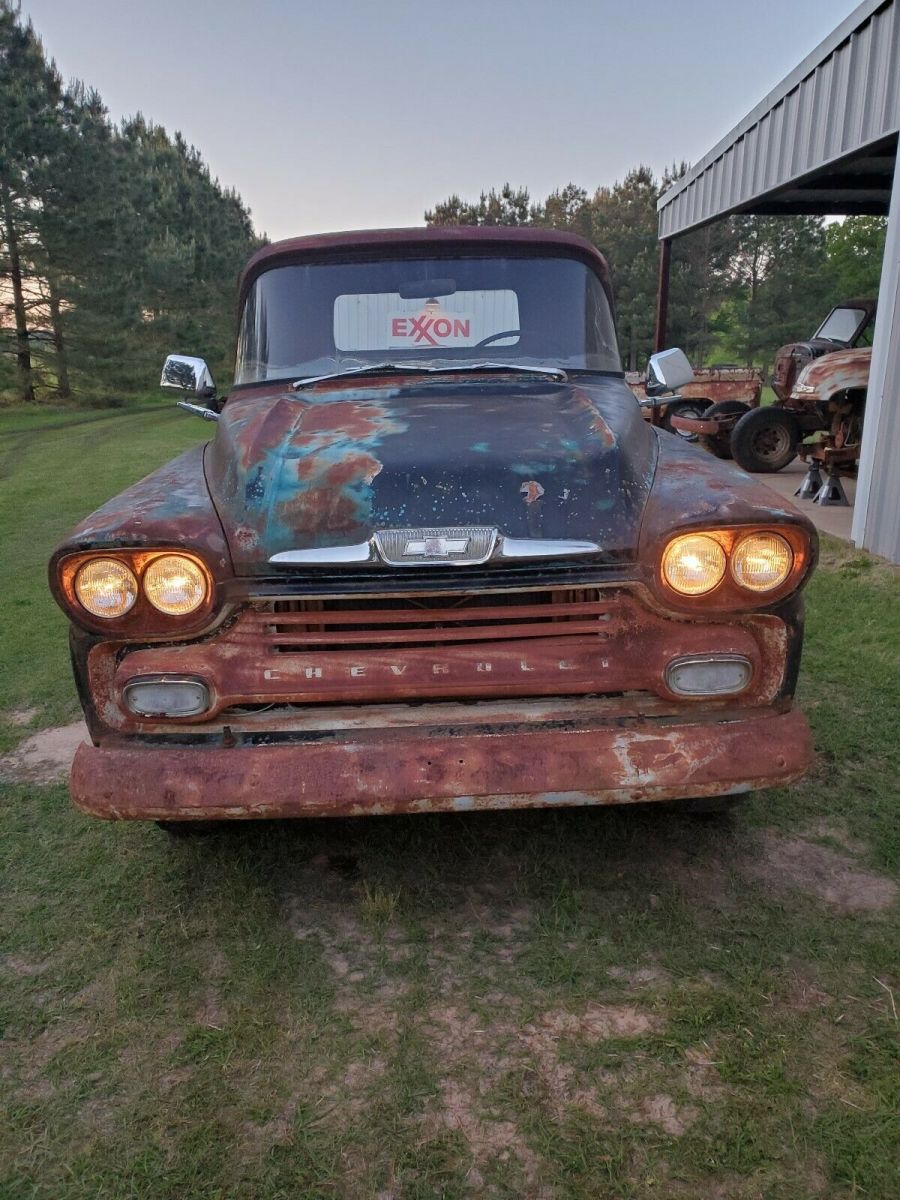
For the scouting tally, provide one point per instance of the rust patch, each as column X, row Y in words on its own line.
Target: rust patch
column 531, row 490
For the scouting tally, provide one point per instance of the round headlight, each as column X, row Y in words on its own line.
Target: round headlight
column 106, row 588
column 175, row 585
column 761, row 562
column 693, row 564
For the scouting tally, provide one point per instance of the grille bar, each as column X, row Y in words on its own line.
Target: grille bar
column 419, row 620
column 475, row 633
column 435, row 616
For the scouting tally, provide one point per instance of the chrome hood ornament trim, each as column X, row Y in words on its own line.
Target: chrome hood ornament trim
column 545, row 547
column 467, row 545
column 326, row 556
column 450, row 546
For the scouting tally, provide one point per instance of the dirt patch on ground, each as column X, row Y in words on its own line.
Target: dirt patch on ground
column 44, row 757
column 486, row 1140
column 600, row 1021
column 526, row 1055
column 663, row 1111
column 787, row 863
column 22, row 716
column 24, row 969
column 211, row 1013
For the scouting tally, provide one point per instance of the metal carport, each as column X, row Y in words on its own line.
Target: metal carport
column 823, row 142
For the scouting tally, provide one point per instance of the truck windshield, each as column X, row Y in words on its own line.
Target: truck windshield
column 312, row 319
column 841, row 324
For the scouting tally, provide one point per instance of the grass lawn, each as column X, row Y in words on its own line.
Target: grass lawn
column 583, row 1003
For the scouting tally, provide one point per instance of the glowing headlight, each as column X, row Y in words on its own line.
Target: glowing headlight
column 693, row 564
column 761, row 562
column 175, row 585
column 106, row 588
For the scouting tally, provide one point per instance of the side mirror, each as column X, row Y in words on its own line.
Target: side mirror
column 182, row 373
column 668, row 371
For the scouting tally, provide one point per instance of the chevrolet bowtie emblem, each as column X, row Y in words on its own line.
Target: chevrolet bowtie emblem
column 448, row 545
column 435, row 547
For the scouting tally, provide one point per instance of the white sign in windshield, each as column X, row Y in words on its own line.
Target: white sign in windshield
column 385, row 321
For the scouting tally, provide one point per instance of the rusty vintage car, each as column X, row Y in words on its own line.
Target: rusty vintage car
column 828, row 397
column 764, row 439
column 433, row 558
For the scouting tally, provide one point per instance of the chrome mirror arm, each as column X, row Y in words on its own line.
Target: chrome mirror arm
column 199, row 410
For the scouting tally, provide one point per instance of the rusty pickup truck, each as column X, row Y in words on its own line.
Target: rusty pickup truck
column 432, row 558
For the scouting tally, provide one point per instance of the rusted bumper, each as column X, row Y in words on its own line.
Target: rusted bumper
column 443, row 769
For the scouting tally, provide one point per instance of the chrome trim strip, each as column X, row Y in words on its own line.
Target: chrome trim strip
column 545, row 547
column 374, row 551
column 326, row 555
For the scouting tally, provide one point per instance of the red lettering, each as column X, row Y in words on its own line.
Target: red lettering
column 419, row 330
column 398, row 327
column 442, row 327
column 460, row 328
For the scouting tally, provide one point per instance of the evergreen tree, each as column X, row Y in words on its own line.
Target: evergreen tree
column 116, row 245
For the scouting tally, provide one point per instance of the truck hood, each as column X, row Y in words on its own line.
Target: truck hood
column 838, row 372
column 332, row 465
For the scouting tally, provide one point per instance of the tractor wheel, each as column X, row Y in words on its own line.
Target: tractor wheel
column 720, row 446
column 683, row 408
column 765, row 439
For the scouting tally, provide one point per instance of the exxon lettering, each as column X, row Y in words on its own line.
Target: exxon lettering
column 430, row 330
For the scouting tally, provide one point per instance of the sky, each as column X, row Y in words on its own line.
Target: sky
column 355, row 114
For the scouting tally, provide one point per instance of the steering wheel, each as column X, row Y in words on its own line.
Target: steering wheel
column 496, row 337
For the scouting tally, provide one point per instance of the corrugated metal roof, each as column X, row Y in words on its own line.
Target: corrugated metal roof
column 823, row 141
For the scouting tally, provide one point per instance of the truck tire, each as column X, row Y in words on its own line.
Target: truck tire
column 765, row 439
column 683, row 408
column 721, row 446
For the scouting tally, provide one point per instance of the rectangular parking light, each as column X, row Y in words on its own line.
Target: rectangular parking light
column 161, row 696
column 709, row 674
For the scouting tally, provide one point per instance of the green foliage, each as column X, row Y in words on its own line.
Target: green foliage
column 855, row 249
column 117, row 244
column 739, row 288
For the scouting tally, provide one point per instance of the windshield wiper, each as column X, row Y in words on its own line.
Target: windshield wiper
column 415, row 369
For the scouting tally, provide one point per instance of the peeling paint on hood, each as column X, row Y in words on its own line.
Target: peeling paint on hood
column 331, row 465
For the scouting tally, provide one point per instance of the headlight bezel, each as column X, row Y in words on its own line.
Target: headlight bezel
column 729, row 593
column 142, row 618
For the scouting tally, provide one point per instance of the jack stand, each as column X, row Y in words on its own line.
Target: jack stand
column 812, row 483
column 832, row 492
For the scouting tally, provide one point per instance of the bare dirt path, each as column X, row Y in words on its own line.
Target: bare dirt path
column 45, row 757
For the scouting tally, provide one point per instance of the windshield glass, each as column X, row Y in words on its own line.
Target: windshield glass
column 314, row 319
column 841, row 324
